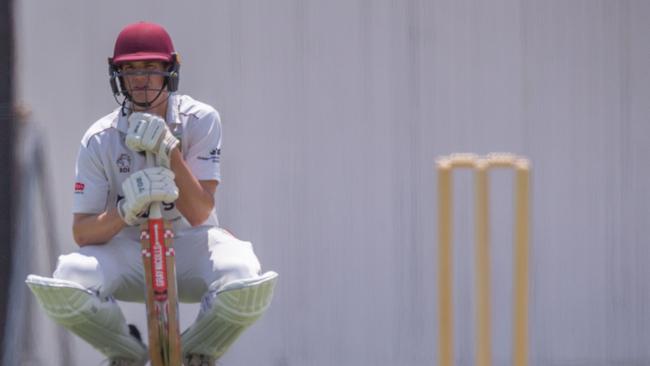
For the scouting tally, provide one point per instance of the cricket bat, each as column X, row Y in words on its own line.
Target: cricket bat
column 156, row 238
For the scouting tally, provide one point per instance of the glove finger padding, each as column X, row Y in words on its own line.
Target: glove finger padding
column 168, row 143
column 137, row 128
column 148, row 132
column 145, row 131
column 159, row 174
column 164, row 193
column 152, row 135
column 144, row 187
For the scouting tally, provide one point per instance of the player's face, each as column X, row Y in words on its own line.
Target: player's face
column 144, row 80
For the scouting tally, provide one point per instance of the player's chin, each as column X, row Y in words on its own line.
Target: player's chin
column 142, row 97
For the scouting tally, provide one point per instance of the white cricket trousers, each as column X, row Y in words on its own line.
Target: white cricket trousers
column 205, row 256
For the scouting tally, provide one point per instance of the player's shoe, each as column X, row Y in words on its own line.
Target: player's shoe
column 135, row 332
column 199, row 360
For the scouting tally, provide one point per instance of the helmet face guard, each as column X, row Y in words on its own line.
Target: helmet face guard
column 118, row 85
column 143, row 42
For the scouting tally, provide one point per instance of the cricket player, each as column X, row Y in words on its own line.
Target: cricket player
column 113, row 190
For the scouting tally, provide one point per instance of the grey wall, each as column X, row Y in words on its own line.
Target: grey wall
column 333, row 114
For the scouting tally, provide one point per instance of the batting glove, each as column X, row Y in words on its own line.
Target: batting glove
column 148, row 132
column 142, row 188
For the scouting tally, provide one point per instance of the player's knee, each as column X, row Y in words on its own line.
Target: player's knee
column 80, row 269
column 243, row 270
column 234, row 273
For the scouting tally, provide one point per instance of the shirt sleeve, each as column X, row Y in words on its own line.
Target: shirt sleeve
column 91, row 184
column 203, row 153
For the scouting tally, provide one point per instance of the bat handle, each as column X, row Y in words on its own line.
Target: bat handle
column 155, row 211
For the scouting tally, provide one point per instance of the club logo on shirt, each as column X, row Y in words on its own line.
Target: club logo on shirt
column 213, row 155
column 79, row 188
column 124, row 163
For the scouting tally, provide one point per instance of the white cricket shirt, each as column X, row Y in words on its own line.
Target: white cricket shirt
column 104, row 160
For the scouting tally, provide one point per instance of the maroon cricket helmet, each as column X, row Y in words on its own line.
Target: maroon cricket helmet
column 143, row 41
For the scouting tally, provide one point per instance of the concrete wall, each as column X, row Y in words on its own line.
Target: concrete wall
column 333, row 114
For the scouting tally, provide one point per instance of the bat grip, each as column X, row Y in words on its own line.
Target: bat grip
column 155, row 211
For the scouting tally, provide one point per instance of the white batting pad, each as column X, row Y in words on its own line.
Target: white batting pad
column 226, row 313
column 100, row 323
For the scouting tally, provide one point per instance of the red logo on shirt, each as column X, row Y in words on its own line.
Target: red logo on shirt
column 79, row 187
